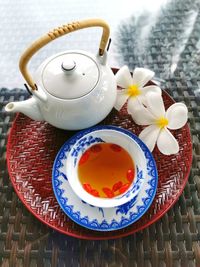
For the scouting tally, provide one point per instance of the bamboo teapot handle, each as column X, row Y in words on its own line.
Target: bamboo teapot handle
column 58, row 32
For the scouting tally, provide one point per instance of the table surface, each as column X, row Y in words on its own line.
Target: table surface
column 161, row 35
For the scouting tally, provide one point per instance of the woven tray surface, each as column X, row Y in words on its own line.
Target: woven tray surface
column 173, row 239
column 32, row 148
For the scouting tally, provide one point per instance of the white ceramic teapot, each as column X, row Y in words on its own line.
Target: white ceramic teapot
column 71, row 90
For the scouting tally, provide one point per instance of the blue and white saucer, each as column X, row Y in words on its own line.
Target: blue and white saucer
column 103, row 219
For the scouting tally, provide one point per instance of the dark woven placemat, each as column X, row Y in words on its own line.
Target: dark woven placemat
column 172, row 241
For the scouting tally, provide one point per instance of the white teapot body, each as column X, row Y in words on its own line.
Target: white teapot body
column 81, row 112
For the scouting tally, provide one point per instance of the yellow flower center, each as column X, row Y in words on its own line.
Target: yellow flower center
column 162, row 122
column 133, row 90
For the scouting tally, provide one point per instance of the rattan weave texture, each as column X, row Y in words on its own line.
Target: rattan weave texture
column 172, row 241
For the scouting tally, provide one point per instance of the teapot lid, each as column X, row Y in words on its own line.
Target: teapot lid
column 70, row 75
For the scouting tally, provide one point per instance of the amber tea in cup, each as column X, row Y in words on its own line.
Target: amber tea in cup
column 106, row 170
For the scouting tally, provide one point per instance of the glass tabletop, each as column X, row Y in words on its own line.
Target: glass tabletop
column 162, row 35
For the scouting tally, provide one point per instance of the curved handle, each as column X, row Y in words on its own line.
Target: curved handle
column 47, row 38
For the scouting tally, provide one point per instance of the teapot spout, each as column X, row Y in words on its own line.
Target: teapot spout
column 28, row 107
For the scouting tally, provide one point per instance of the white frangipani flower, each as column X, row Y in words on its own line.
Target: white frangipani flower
column 133, row 88
column 159, row 121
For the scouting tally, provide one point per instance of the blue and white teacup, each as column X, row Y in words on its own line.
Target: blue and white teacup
column 101, row 134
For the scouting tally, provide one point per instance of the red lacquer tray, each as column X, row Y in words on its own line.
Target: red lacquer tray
column 31, row 150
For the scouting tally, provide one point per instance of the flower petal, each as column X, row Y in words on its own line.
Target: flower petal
column 134, row 103
column 141, row 76
column 151, row 88
column 177, row 115
column 139, row 113
column 149, row 136
column 123, row 77
column 148, row 89
column 166, row 143
column 121, row 99
column 155, row 105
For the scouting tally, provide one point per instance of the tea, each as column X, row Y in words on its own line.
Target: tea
column 106, row 170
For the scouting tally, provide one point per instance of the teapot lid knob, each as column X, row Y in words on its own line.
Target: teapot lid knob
column 68, row 66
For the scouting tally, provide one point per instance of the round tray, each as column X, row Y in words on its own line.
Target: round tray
column 31, row 150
